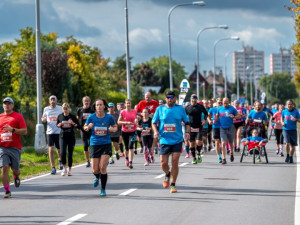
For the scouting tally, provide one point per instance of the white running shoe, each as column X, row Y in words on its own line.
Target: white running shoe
column 64, row 172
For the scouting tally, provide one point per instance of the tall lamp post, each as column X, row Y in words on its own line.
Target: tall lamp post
column 127, row 51
column 216, row 42
column 198, row 35
column 199, row 3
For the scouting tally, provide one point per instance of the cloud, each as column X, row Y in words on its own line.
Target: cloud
column 141, row 37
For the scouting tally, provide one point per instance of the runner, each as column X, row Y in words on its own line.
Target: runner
column 120, row 107
column 138, row 135
column 160, row 102
column 127, row 119
column 169, row 117
column 100, row 124
column 82, row 114
column 147, row 138
column 205, row 128
column 238, row 124
column 50, row 116
column 194, row 112
column 12, row 126
column 114, row 136
column 67, row 122
column 289, row 119
column 226, row 114
column 216, row 127
column 276, row 119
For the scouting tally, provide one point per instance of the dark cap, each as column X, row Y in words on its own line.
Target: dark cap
column 170, row 93
column 8, row 99
column 193, row 96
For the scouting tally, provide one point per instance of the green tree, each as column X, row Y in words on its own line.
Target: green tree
column 144, row 75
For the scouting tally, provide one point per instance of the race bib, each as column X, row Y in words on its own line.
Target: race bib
column 194, row 130
column 6, row 137
column 85, row 115
column 101, row 131
column 52, row 119
column 257, row 121
column 129, row 126
column 66, row 124
column 146, row 132
column 169, row 127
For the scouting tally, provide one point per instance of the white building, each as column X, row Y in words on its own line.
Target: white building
column 282, row 62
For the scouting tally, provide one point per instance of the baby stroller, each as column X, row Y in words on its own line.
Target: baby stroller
column 257, row 124
column 254, row 149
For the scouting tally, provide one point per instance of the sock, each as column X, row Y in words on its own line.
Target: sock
column 193, row 152
column 103, row 180
column 121, row 147
column 187, row 149
column 199, row 149
column 141, row 143
column 172, row 184
column 6, row 188
column 97, row 175
column 130, row 162
column 169, row 174
column 126, row 158
column 135, row 145
column 146, row 155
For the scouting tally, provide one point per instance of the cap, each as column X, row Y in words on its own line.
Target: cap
column 52, row 96
column 170, row 93
column 263, row 102
column 193, row 96
column 8, row 99
column 236, row 101
column 111, row 104
column 161, row 101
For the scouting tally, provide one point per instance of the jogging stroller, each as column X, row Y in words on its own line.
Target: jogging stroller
column 253, row 149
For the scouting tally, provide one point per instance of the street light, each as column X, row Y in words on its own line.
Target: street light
column 251, row 81
column 198, row 35
column 216, row 42
column 199, row 3
column 127, row 51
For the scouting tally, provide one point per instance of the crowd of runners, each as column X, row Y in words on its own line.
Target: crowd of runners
column 113, row 131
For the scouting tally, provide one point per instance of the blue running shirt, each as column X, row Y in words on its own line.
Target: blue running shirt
column 287, row 118
column 169, row 126
column 100, row 133
column 224, row 116
column 258, row 115
column 213, row 111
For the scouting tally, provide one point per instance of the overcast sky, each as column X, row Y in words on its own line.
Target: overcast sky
column 264, row 24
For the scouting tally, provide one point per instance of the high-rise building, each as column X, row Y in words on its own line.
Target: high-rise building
column 282, row 62
column 248, row 64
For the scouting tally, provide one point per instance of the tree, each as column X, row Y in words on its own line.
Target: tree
column 144, row 75
column 5, row 78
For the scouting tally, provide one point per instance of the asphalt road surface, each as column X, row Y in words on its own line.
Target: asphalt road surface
column 208, row 193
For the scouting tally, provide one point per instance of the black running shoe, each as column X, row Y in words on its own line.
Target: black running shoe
column 117, row 156
column 231, row 158
column 135, row 152
column 17, row 182
column 291, row 160
column 287, row 159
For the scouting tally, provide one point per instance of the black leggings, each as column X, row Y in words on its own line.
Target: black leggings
column 129, row 139
column 147, row 142
column 64, row 143
column 279, row 136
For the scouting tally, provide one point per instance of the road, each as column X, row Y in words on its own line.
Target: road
column 208, row 193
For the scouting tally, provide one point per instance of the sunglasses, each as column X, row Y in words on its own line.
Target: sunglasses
column 170, row 97
column 219, row 103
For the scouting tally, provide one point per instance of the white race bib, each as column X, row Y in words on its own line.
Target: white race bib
column 169, row 127
column 100, row 131
column 66, row 124
column 129, row 126
column 85, row 115
column 257, row 121
column 146, row 132
column 6, row 137
column 194, row 130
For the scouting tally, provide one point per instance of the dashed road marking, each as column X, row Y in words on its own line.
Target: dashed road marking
column 72, row 219
column 128, row 191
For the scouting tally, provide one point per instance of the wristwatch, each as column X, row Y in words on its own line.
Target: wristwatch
column 13, row 130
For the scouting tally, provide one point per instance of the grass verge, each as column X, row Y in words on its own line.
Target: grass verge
column 34, row 163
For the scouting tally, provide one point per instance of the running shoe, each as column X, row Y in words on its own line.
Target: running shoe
column 7, row 194
column 88, row 164
column 60, row 165
column 130, row 166
column 121, row 154
column 102, row 193
column 141, row 151
column 17, row 182
column 173, row 189
column 152, row 159
column 231, row 158
column 281, row 154
column 194, row 161
column 53, row 171
column 220, row 159
column 69, row 173
column 277, row 151
column 291, row 160
column 64, row 172
column 209, row 148
column 111, row 161
column 126, row 162
column 238, row 149
column 258, row 160
column 117, row 156
column 155, row 150
column 228, row 151
column 146, row 163
column 166, row 182
column 287, row 159
column 199, row 160
column 135, row 151
column 224, row 161
column 95, row 182
column 187, row 156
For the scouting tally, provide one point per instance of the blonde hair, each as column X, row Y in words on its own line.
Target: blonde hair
column 66, row 105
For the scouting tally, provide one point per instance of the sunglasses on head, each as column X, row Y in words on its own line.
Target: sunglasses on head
column 170, row 97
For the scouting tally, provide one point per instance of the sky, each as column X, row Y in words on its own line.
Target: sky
column 263, row 24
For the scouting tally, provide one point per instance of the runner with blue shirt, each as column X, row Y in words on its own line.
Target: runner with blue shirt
column 169, row 132
column 289, row 119
column 258, row 117
column 226, row 114
column 100, row 123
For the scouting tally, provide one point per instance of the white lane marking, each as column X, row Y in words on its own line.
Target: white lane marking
column 44, row 175
column 72, row 219
column 183, row 164
column 297, row 195
column 160, row 176
column 128, row 191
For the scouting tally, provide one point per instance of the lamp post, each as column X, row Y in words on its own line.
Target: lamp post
column 200, row 3
column 251, row 81
column 215, row 44
column 197, row 53
column 127, row 51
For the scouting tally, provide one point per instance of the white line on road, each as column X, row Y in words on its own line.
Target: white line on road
column 183, row 164
column 72, row 219
column 128, row 191
column 297, row 195
column 160, row 176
